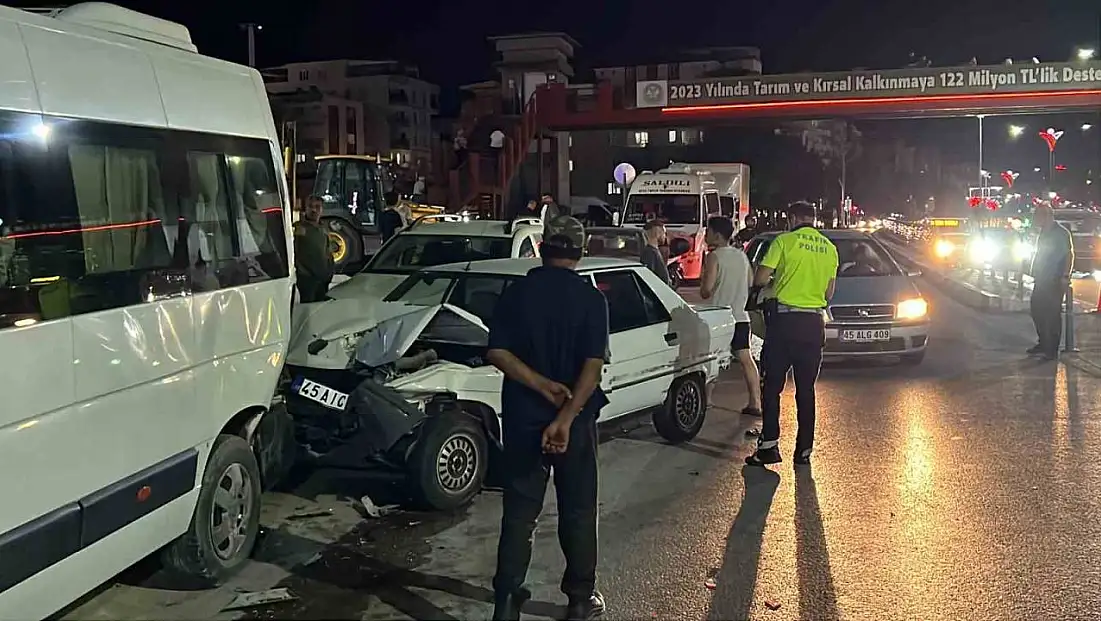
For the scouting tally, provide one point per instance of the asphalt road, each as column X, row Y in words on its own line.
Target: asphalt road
column 966, row 488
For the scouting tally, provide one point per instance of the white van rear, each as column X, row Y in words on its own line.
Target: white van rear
column 145, row 291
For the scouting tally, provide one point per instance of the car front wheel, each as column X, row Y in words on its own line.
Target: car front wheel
column 448, row 465
column 226, row 521
column 685, row 409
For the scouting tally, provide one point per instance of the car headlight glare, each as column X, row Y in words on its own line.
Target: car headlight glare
column 983, row 251
column 1023, row 250
column 914, row 308
column 944, row 248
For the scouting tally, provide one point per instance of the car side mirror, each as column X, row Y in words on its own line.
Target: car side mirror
column 678, row 247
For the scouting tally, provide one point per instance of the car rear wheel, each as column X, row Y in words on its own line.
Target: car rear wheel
column 448, row 465
column 685, row 409
column 344, row 243
column 226, row 521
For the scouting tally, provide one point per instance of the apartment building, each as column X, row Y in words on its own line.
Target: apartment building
column 394, row 113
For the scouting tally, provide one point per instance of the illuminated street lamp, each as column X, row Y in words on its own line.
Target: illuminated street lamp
column 1051, row 137
column 1085, row 53
column 1015, row 131
column 1087, row 126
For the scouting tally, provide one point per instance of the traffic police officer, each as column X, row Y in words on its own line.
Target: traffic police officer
column 802, row 264
column 313, row 259
column 549, row 336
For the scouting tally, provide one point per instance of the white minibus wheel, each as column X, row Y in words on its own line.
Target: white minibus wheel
column 226, row 521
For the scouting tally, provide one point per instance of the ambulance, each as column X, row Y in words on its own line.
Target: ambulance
column 684, row 196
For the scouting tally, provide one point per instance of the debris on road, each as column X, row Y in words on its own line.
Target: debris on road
column 374, row 510
column 710, row 584
column 309, row 515
column 772, row 604
column 260, row 598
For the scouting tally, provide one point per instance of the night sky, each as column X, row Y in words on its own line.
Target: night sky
column 447, row 37
column 447, row 40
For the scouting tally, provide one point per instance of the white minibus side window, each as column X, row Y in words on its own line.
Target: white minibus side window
column 95, row 216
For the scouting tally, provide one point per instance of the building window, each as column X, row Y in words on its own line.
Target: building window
column 334, row 130
column 185, row 213
column 304, row 75
column 571, row 140
column 614, row 188
column 674, row 71
column 651, row 72
column 571, row 165
column 641, row 139
column 673, row 135
column 351, row 128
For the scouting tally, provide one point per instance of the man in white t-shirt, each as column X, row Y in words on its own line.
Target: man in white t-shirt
column 725, row 281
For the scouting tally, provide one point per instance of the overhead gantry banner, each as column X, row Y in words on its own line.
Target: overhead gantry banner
column 888, row 85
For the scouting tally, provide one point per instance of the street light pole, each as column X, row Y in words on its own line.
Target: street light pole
column 251, row 29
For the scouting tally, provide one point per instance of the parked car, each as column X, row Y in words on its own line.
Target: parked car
column 436, row 240
column 876, row 309
column 413, row 392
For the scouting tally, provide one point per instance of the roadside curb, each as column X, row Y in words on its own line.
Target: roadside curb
column 964, row 293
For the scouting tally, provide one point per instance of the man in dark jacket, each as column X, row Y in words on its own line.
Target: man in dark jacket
column 1051, row 267
column 313, row 259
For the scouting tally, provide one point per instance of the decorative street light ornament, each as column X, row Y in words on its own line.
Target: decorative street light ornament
column 624, row 174
column 992, row 204
column 974, row 201
column 1050, row 136
column 1009, row 176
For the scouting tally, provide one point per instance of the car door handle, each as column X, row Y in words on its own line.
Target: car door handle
column 671, row 338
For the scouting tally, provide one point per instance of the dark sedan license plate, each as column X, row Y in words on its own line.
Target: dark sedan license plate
column 865, row 336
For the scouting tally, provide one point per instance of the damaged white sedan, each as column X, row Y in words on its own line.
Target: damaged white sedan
column 405, row 383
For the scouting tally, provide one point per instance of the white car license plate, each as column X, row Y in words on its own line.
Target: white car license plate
column 865, row 336
column 323, row 394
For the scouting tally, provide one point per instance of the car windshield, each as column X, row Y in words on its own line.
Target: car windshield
column 408, row 253
column 1080, row 223
column 475, row 293
column 858, row 257
column 620, row 244
column 669, row 208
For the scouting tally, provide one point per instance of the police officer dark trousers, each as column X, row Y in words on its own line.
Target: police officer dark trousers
column 551, row 355
column 802, row 266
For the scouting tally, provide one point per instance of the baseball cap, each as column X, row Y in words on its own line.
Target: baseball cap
column 563, row 238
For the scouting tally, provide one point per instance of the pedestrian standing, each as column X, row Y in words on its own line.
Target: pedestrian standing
column 654, row 233
column 390, row 221
column 550, row 402
column 1051, row 266
column 802, row 264
column 313, row 259
column 725, row 281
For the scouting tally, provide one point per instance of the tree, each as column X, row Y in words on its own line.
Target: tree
column 836, row 144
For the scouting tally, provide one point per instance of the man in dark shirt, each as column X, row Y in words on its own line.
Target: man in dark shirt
column 749, row 232
column 552, row 355
column 1051, row 267
column 654, row 231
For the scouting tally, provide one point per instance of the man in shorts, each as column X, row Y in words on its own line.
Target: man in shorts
column 725, row 281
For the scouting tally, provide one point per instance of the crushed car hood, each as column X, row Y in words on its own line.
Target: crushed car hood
column 392, row 337
column 366, row 286
column 334, row 321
